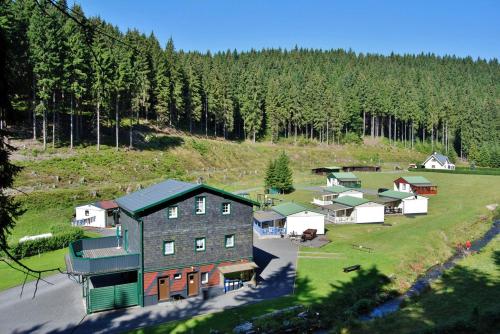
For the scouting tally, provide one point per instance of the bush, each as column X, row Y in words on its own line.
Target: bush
column 352, row 138
column 59, row 240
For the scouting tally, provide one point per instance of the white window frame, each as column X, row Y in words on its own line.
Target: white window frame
column 177, row 276
column 228, row 212
column 204, row 278
column 200, row 207
column 204, row 244
column 229, row 237
column 172, row 252
column 174, row 213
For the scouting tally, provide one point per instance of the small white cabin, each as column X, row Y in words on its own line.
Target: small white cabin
column 333, row 192
column 354, row 210
column 398, row 202
column 99, row 214
column 299, row 218
column 438, row 161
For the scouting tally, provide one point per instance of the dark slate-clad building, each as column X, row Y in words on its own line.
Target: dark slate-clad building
column 183, row 240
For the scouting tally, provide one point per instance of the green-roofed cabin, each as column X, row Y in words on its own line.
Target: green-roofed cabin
column 353, row 210
column 328, row 194
column 176, row 240
column 400, row 202
column 415, row 184
column 299, row 218
column 346, row 179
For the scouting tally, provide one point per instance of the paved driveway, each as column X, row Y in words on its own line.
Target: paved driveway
column 59, row 308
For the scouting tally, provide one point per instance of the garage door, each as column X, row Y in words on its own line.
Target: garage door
column 113, row 296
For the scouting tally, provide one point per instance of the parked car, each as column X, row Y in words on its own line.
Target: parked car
column 309, row 234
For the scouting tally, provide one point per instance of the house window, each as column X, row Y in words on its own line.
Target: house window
column 204, row 278
column 86, row 212
column 200, row 205
column 229, row 241
column 226, row 208
column 168, row 247
column 172, row 212
column 177, row 276
column 200, row 244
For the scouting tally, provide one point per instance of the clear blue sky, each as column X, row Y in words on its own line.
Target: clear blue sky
column 461, row 28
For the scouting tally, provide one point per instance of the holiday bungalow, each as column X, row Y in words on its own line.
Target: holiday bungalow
column 177, row 240
column 438, row 161
column 299, row 218
column 328, row 194
column 98, row 214
column 399, row 202
column 353, row 210
column 415, row 184
column 343, row 179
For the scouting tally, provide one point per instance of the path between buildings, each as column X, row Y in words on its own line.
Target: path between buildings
column 59, row 308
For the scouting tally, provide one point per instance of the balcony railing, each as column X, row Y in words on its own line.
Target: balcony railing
column 78, row 263
column 341, row 220
column 268, row 230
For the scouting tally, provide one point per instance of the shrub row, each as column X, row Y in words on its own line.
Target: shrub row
column 477, row 171
column 57, row 241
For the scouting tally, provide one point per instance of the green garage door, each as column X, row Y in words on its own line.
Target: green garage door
column 114, row 296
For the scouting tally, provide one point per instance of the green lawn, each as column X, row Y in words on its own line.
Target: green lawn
column 12, row 278
column 401, row 251
column 472, row 286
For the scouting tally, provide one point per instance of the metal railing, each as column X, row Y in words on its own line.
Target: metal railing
column 82, row 265
column 268, row 230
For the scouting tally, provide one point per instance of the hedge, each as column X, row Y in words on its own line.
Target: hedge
column 57, row 241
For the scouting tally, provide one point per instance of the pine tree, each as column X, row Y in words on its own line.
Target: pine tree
column 270, row 180
column 284, row 174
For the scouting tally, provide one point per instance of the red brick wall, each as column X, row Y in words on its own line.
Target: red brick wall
column 151, row 278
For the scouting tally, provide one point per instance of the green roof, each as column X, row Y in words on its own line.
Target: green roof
column 396, row 194
column 139, row 201
column 343, row 176
column 350, row 201
column 289, row 208
column 416, row 180
column 338, row 189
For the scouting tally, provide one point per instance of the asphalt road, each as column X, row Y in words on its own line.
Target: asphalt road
column 59, row 308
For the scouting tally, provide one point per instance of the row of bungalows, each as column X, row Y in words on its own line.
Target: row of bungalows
column 288, row 219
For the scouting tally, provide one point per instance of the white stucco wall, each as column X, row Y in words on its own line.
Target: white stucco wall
column 404, row 187
column 93, row 211
column 414, row 205
column 369, row 213
column 301, row 221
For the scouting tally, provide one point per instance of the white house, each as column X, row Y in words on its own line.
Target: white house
column 99, row 214
column 353, row 210
column 330, row 193
column 438, row 161
column 346, row 179
column 299, row 218
column 403, row 202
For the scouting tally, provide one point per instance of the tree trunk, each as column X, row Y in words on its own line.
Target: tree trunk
column 364, row 123
column 98, row 123
column 390, row 129
column 34, row 109
column 254, row 136
column 117, row 122
column 327, row 134
column 295, row 134
column 131, row 132
column 206, row 117
column 54, row 119
column 71, row 122
column 372, row 128
column 44, row 128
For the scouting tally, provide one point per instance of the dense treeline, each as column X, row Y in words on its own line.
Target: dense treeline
column 64, row 73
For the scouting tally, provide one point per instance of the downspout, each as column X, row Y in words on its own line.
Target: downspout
column 141, row 271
